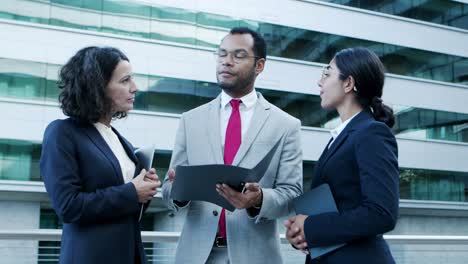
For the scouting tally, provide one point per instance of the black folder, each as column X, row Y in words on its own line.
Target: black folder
column 145, row 157
column 317, row 201
column 198, row 182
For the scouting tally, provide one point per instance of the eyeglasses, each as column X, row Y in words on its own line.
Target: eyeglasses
column 326, row 72
column 237, row 55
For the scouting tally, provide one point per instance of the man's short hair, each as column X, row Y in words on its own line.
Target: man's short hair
column 259, row 47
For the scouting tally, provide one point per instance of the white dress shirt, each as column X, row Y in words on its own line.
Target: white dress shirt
column 337, row 131
column 246, row 109
column 126, row 164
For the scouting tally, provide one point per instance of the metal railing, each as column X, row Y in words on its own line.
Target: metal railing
column 44, row 245
column 172, row 237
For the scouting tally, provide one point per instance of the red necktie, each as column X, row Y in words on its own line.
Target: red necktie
column 231, row 145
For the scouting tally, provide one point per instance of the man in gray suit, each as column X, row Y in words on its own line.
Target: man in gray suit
column 239, row 127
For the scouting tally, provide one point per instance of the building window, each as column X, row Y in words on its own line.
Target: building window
column 132, row 18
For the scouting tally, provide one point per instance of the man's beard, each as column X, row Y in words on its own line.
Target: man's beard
column 239, row 86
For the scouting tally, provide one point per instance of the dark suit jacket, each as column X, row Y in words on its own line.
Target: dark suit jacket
column 361, row 168
column 85, row 185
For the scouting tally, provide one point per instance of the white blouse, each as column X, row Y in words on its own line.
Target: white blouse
column 337, row 131
column 126, row 164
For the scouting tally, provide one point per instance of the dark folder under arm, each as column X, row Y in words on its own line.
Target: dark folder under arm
column 317, row 201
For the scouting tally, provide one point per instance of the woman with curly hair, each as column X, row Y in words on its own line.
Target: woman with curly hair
column 91, row 174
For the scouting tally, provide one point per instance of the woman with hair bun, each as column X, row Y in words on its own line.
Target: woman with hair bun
column 359, row 164
column 92, row 177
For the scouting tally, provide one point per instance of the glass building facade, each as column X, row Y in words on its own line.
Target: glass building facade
column 132, row 18
column 19, row 161
column 28, row 80
column 449, row 13
column 36, row 81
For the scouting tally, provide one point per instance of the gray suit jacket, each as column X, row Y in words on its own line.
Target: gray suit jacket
column 251, row 239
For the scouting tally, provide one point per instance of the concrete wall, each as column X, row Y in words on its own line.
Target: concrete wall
column 19, row 215
column 431, row 225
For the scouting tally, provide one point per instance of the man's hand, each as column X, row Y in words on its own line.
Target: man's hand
column 295, row 232
column 171, row 175
column 251, row 197
column 146, row 189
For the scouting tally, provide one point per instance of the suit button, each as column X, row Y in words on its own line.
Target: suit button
column 215, row 213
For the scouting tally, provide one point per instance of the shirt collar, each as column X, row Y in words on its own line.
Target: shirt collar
column 335, row 132
column 248, row 100
column 101, row 126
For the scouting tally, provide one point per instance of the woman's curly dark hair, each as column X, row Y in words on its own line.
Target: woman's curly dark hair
column 83, row 80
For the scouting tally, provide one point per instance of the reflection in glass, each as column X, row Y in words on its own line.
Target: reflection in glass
column 31, row 80
column 418, row 184
column 450, row 13
column 413, row 122
column 26, row 10
column 19, row 160
column 133, row 18
column 80, row 14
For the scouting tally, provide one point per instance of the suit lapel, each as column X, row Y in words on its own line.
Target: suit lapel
column 261, row 114
column 319, row 166
column 363, row 115
column 213, row 129
column 101, row 144
column 336, row 144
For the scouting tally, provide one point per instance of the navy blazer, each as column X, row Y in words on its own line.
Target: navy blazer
column 361, row 167
column 86, row 187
